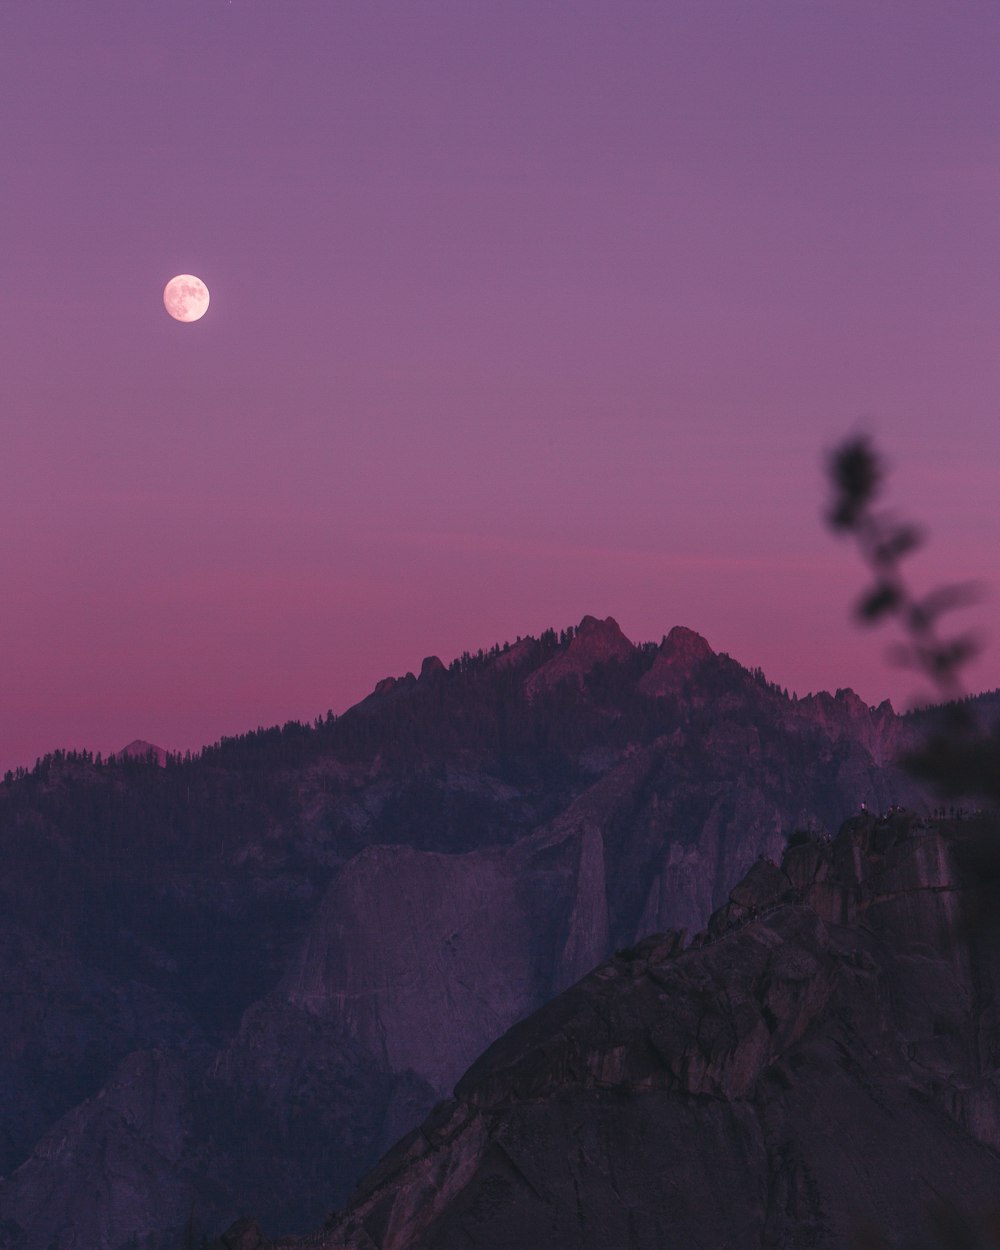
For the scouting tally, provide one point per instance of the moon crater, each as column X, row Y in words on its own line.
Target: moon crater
column 186, row 297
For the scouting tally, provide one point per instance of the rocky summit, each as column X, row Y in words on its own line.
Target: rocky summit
column 817, row 1066
column 232, row 981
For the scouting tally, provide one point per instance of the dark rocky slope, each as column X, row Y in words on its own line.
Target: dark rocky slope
column 285, row 920
column 824, row 1058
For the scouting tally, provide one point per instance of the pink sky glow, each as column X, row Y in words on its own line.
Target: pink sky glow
column 518, row 312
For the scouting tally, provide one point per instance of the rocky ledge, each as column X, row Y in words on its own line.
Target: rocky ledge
column 820, row 1061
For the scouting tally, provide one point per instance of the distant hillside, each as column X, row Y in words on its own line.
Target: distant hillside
column 230, row 972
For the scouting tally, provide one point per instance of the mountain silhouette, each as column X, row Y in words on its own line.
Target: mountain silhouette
column 243, row 975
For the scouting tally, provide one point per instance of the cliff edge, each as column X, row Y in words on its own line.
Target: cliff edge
column 822, row 1059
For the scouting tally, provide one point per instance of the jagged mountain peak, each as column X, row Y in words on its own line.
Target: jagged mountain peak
column 593, row 627
column 685, row 646
column 431, row 669
column 678, row 658
column 594, row 642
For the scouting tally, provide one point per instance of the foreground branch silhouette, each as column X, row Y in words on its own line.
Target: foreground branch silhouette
column 961, row 757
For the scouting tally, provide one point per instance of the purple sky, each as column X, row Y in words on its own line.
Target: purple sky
column 519, row 311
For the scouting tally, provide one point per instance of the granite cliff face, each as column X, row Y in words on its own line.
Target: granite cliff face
column 406, row 937
column 287, row 919
column 822, row 1059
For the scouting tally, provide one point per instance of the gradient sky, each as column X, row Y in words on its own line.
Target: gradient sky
column 520, row 311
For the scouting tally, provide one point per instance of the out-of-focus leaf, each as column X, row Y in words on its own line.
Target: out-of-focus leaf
column 879, row 601
column 942, row 599
column 952, row 654
column 900, row 542
column 856, row 474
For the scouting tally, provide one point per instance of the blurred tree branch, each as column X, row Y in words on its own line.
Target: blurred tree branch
column 960, row 757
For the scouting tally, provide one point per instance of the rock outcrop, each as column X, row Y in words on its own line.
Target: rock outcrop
column 677, row 661
column 406, row 937
column 846, row 716
column 823, row 1059
column 431, row 669
column 595, row 642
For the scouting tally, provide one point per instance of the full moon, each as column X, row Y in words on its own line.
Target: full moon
column 185, row 297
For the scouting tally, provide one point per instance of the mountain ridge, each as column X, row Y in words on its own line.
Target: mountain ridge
column 291, row 913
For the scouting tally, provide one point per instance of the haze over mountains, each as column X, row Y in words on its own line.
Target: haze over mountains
column 235, row 980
